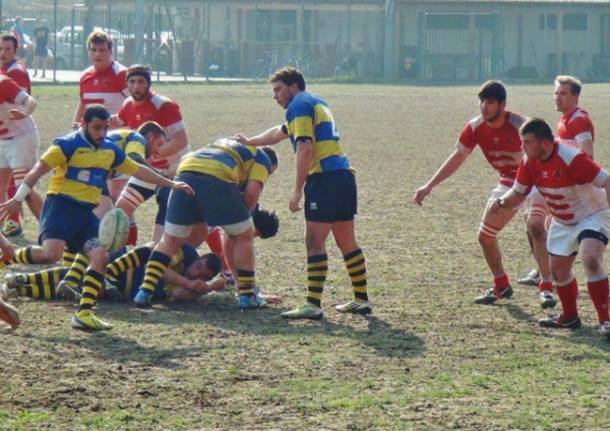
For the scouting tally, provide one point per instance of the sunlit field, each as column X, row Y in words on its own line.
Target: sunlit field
column 427, row 358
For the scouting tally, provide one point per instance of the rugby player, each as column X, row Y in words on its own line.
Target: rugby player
column 577, row 191
column 81, row 163
column 496, row 132
column 146, row 105
column 324, row 172
column 228, row 178
column 8, row 313
column 19, row 139
column 574, row 128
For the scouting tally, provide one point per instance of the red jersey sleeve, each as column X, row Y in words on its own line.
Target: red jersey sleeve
column 123, row 115
column 582, row 127
column 524, row 180
column 21, row 78
column 169, row 115
column 467, row 137
column 122, row 82
column 9, row 91
column 583, row 169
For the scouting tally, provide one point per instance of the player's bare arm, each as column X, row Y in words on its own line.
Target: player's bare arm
column 144, row 173
column 271, row 136
column 178, row 140
column 28, row 104
column 251, row 193
column 304, row 157
column 78, row 115
column 449, row 167
column 6, row 248
column 30, row 180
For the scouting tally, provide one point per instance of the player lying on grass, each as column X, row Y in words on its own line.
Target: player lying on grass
column 81, row 162
column 577, row 191
column 186, row 278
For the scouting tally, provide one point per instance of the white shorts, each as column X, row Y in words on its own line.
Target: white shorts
column 563, row 240
column 20, row 152
column 498, row 192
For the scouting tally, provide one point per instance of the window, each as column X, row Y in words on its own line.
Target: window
column 575, row 21
column 448, row 22
column 548, row 21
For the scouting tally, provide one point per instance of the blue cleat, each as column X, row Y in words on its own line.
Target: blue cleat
column 251, row 302
column 143, row 299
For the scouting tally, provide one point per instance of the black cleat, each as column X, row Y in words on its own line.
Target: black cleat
column 489, row 297
column 560, row 322
column 531, row 279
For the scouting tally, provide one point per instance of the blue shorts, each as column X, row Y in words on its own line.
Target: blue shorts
column 67, row 220
column 216, row 202
column 331, row 196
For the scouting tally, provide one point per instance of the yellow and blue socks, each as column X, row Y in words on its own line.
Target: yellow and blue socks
column 356, row 268
column 317, row 268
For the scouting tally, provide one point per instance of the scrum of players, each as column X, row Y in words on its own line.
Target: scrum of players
column 129, row 144
column 212, row 194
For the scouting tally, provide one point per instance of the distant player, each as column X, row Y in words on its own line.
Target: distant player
column 324, row 173
column 81, row 163
column 496, row 132
column 105, row 81
column 577, row 192
column 227, row 178
column 146, row 105
column 19, row 139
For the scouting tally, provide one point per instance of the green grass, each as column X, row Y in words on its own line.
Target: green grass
column 427, row 359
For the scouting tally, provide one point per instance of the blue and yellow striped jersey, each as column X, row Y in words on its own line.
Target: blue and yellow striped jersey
column 129, row 141
column 80, row 169
column 229, row 161
column 308, row 116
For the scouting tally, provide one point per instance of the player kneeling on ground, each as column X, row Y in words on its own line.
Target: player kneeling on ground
column 81, row 162
column 577, row 192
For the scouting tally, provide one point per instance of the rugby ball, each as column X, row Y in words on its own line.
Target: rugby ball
column 114, row 229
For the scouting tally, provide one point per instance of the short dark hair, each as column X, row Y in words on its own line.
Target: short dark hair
column 95, row 111
column 270, row 152
column 96, row 37
column 493, row 90
column 266, row 223
column 139, row 70
column 9, row 37
column 151, row 127
column 212, row 262
column 575, row 84
column 289, row 75
column 539, row 128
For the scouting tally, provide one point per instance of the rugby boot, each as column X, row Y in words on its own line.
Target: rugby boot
column 9, row 314
column 143, row 299
column 249, row 302
column 7, row 292
column 547, row 299
column 14, row 280
column 531, row 279
column 112, row 292
column 560, row 322
column 306, row 311
column 489, row 297
column 86, row 320
column 604, row 330
column 11, row 228
column 66, row 292
column 354, row 307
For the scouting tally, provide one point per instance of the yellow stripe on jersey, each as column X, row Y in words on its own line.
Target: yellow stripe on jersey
column 229, row 161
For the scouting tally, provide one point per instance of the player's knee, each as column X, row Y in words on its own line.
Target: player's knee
column 98, row 258
column 536, row 229
column 487, row 235
column 50, row 255
column 591, row 263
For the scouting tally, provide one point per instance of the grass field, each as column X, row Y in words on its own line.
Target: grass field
column 428, row 358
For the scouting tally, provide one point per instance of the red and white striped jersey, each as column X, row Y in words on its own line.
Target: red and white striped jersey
column 569, row 180
column 108, row 87
column 501, row 146
column 11, row 97
column 575, row 127
column 19, row 74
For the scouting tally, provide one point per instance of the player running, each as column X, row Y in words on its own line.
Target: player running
column 496, row 132
column 577, row 192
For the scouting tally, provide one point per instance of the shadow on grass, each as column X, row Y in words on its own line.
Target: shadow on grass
column 586, row 335
column 380, row 335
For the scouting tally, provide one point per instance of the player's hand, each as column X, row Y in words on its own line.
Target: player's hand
column 7, row 249
column 242, row 139
column 179, row 186
column 75, row 125
column 496, row 205
column 295, row 202
column 16, row 114
column 9, row 207
column 421, row 194
column 219, row 284
column 196, row 285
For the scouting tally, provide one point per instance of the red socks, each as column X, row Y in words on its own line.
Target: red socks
column 545, row 285
column 567, row 295
column 500, row 283
column 598, row 291
column 132, row 236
